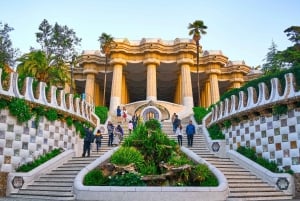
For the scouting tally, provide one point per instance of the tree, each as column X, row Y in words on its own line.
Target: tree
column 37, row 64
column 50, row 63
column 196, row 29
column 273, row 63
column 106, row 43
column 7, row 52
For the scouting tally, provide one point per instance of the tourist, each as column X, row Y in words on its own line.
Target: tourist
column 179, row 135
column 176, row 123
column 88, row 139
column 98, row 138
column 118, row 135
column 173, row 119
column 134, row 120
column 124, row 114
column 130, row 126
column 119, row 114
column 110, row 132
column 190, row 131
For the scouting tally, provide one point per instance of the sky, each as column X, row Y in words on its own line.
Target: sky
column 241, row 29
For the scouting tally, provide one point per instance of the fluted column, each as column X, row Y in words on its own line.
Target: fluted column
column 214, row 88
column 151, row 64
column 116, row 87
column 203, row 96
column 186, row 82
column 97, row 94
column 124, row 90
column 207, row 93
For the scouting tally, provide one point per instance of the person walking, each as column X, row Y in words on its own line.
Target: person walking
column 118, row 135
column 119, row 114
column 173, row 119
column 130, row 126
column 98, row 138
column 110, row 131
column 176, row 123
column 190, row 131
column 179, row 135
column 124, row 114
column 88, row 139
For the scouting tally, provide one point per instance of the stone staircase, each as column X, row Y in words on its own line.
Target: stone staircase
column 243, row 185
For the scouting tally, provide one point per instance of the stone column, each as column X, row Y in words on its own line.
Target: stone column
column 214, row 88
column 97, row 99
column 178, row 92
column 116, row 87
column 90, row 87
column 151, row 64
column 186, row 82
column 207, row 93
column 124, row 99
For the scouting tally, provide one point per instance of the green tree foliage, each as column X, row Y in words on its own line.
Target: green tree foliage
column 272, row 62
column 200, row 113
column 50, row 64
column 101, row 112
column 7, row 52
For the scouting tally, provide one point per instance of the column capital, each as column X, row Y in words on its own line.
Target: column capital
column 90, row 71
column 151, row 61
column 185, row 61
column 118, row 61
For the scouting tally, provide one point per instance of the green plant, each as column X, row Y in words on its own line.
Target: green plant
column 200, row 113
column 227, row 123
column 20, row 109
column 280, row 109
column 179, row 160
column 215, row 132
column 153, row 124
column 248, row 152
column 95, row 178
column 126, row 156
column 149, row 168
column 69, row 121
column 3, row 103
column 101, row 112
column 40, row 160
column 128, row 179
column 51, row 115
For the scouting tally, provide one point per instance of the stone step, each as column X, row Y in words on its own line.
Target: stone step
column 57, row 179
column 49, row 188
column 58, row 172
column 278, row 198
column 249, row 185
column 251, row 189
column 45, row 193
column 52, row 184
column 255, row 194
column 56, row 176
column 39, row 197
column 248, row 176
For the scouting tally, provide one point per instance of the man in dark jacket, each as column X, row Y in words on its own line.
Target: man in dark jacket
column 88, row 139
column 190, row 131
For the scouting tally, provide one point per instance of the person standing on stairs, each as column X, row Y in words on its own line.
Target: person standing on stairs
column 98, row 138
column 119, row 114
column 110, row 132
column 88, row 139
column 179, row 135
column 176, row 123
column 190, row 131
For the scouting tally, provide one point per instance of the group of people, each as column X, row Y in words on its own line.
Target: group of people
column 115, row 134
column 190, row 130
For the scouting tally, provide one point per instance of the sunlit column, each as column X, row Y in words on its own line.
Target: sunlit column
column 124, row 90
column 90, row 87
column 116, row 87
column 97, row 95
column 178, row 92
column 151, row 78
column 186, row 83
column 214, row 88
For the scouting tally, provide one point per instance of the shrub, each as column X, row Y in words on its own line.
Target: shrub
column 101, row 112
column 20, row 109
column 148, row 168
column 215, row 132
column 280, row 109
column 51, row 115
column 95, row 178
column 200, row 113
column 179, row 160
column 69, row 121
column 39, row 161
column 128, row 179
column 126, row 156
column 153, row 124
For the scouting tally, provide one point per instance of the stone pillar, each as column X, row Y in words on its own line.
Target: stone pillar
column 116, row 87
column 90, row 87
column 124, row 99
column 203, row 96
column 207, row 93
column 178, row 92
column 97, row 99
column 151, row 64
column 214, row 88
column 186, row 82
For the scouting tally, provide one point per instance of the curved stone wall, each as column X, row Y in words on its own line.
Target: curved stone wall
column 274, row 137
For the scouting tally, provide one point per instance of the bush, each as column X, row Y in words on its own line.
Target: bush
column 128, row 179
column 39, row 161
column 20, row 109
column 101, row 112
column 215, row 132
column 51, row 115
column 126, row 156
column 153, row 124
column 200, row 113
column 95, row 178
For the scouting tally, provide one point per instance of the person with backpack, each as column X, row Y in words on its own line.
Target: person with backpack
column 190, row 131
column 98, row 138
column 179, row 134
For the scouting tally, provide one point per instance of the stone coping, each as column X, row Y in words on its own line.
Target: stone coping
column 28, row 177
column 153, row 193
column 261, row 172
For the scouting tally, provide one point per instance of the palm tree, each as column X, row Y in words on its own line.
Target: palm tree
column 106, row 42
column 196, row 29
column 36, row 64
